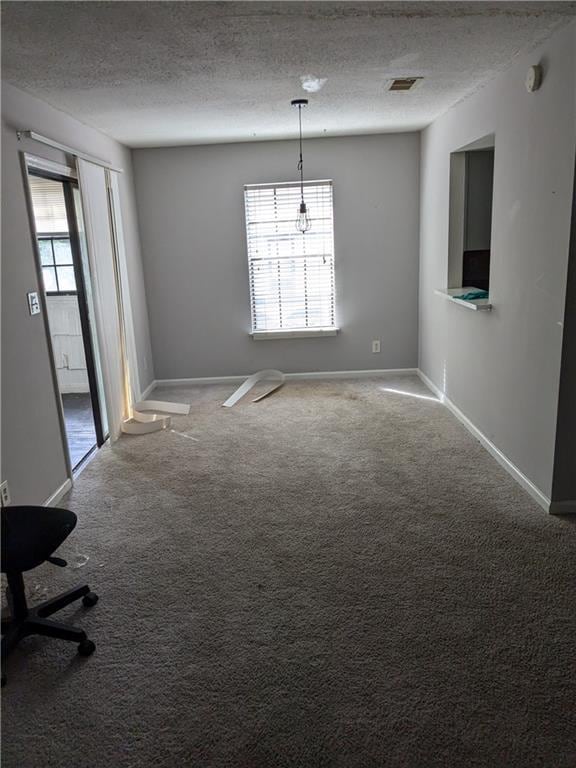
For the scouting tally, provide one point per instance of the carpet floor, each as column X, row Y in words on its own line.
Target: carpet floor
column 339, row 575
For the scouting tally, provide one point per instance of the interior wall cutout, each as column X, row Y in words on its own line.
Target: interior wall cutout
column 564, row 485
column 470, row 215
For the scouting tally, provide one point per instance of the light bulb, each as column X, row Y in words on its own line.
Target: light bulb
column 303, row 222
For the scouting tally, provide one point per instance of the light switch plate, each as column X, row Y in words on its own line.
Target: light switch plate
column 33, row 303
column 4, row 494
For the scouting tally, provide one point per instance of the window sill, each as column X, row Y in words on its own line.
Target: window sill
column 302, row 333
column 479, row 305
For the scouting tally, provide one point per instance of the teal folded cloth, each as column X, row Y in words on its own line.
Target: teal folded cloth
column 472, row 295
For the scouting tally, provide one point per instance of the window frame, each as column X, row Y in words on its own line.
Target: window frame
column 51, row 236
column 297, row 332
column 459, row 180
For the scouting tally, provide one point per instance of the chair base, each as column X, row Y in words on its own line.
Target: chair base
column 33, row 621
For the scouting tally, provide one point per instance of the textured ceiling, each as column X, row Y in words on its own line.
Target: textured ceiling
column 157, row 73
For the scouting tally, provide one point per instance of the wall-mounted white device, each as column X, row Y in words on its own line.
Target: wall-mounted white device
column 534, row 78
column 33, row 303
column 4, row 494
column 376, row 346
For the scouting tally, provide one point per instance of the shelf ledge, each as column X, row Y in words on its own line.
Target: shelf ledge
column 301, row 333
column 478, row 305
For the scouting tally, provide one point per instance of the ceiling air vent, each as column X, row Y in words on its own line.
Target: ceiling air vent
column 403, row 83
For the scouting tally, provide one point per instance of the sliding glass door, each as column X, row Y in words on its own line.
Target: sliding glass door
column 67, row 289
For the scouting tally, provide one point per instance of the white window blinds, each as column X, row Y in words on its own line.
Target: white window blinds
column 291, row 273
column 49, row 206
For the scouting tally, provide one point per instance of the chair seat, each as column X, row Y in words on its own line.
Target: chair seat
column 32, row 534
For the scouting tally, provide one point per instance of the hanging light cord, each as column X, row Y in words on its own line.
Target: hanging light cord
column 300, row 162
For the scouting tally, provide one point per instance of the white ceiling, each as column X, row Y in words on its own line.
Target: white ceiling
column 159, row 73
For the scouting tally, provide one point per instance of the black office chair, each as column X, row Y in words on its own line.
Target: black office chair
column 29, row 537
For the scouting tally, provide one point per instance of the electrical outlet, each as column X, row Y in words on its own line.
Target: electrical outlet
column 376, row 346
column 4, row 493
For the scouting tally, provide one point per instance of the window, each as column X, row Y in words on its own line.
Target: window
column 471, row 192
column 53, row 238
column 57, row 264
column 291, row 273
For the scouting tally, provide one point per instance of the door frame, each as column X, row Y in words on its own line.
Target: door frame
column 87, row 332
column 38, row 166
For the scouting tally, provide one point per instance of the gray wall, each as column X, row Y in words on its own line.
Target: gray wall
column 502, row 369
column 191, row 212
column 32, row 451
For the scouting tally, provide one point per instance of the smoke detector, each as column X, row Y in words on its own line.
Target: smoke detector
column 404, row 83
column 311, row 83
column 534, row 78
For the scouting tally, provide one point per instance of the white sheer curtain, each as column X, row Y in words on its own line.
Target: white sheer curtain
column 129, row 337
column 99, row 224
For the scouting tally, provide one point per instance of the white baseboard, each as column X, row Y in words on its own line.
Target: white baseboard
column 500, row 457
column 362, row 374
column 150, row 388
column 563, row 507
column 289, row 376
column 199, row 381
column 58, row 494
column 431, row 386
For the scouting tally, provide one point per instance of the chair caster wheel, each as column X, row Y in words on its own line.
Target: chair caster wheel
column 86, row 648
column 90, row 599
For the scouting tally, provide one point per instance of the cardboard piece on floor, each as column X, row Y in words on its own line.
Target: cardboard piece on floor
column 150, row 416
column 270, row 374
column 144, row 423
column 163, row 407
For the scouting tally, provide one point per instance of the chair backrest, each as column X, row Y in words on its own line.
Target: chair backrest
column 32, row 534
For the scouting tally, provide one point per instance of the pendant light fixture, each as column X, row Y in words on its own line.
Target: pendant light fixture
column 303, row 222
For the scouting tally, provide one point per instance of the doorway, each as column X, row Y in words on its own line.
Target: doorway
column 65, row 280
